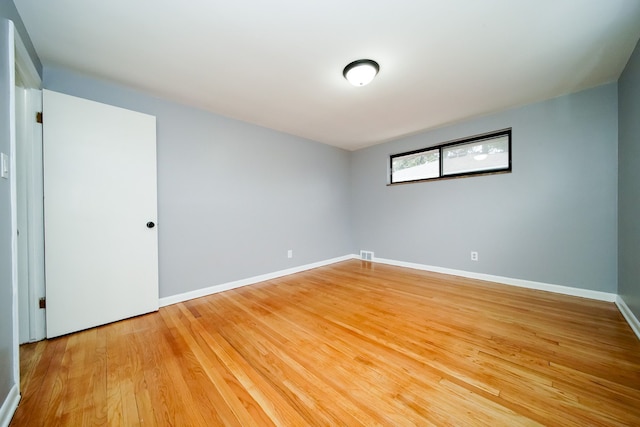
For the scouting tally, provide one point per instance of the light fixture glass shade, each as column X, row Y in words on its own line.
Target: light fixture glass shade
column 361, row 72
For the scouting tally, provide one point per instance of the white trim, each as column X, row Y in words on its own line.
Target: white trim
column 9, row 406
column 14, row 209
column 35, row 214
column 32, row 133
column 174, row 299
column 27, row 70
column 30, row 217
column 628, row 315
column 559, row 289
column 22, row 207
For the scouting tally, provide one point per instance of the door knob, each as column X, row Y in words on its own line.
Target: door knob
column 150, row 224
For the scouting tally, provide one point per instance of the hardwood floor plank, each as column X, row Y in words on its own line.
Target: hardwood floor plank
column 259, row 388
column 78, row 386
column 354, row 344
column 326, row 355
column 145, row 343
column 95, row 400
column 36, row 393
column 199, row 376
column 114, row 376
column 303, row 390
column 30, row 357
column 434, row 410
column 184, row 402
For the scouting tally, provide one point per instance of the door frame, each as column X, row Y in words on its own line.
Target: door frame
column 30, row 215
column 29, row 135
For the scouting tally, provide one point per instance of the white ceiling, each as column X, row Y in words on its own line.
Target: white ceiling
column 279, row 63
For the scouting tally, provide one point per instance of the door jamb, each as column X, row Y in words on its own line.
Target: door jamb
column 31, row 135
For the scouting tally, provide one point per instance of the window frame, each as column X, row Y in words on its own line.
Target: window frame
column 463, row 141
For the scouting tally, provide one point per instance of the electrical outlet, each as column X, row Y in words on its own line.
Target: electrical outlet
column 290, row 253
column 474, row 256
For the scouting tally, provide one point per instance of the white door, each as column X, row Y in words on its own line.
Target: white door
column 101, row 256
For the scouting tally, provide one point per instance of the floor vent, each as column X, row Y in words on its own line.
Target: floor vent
column 366, row 255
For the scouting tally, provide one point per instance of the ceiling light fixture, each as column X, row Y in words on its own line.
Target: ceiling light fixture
column 361, row 72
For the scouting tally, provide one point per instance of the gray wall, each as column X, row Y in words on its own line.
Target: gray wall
column 629, row 183
column 6, row 288
column 232, row 197
column 552, row 220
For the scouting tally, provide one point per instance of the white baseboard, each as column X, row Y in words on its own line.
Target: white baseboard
column 174, row 299
column 559, row 289
column 9, row 406
column 628, row 315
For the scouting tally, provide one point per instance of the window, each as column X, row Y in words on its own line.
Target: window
column 480, row 154
column 416, row 166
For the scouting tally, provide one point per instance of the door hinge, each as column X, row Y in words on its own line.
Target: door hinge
column 39, row 117
column 43, row 302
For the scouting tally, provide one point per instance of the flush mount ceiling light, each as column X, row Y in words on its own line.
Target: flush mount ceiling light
column 361, row 72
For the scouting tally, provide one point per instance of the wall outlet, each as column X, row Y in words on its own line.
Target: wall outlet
column 474, row 256
column 290, row 253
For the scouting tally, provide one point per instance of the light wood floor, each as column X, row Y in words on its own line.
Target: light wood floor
column 350, row 344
